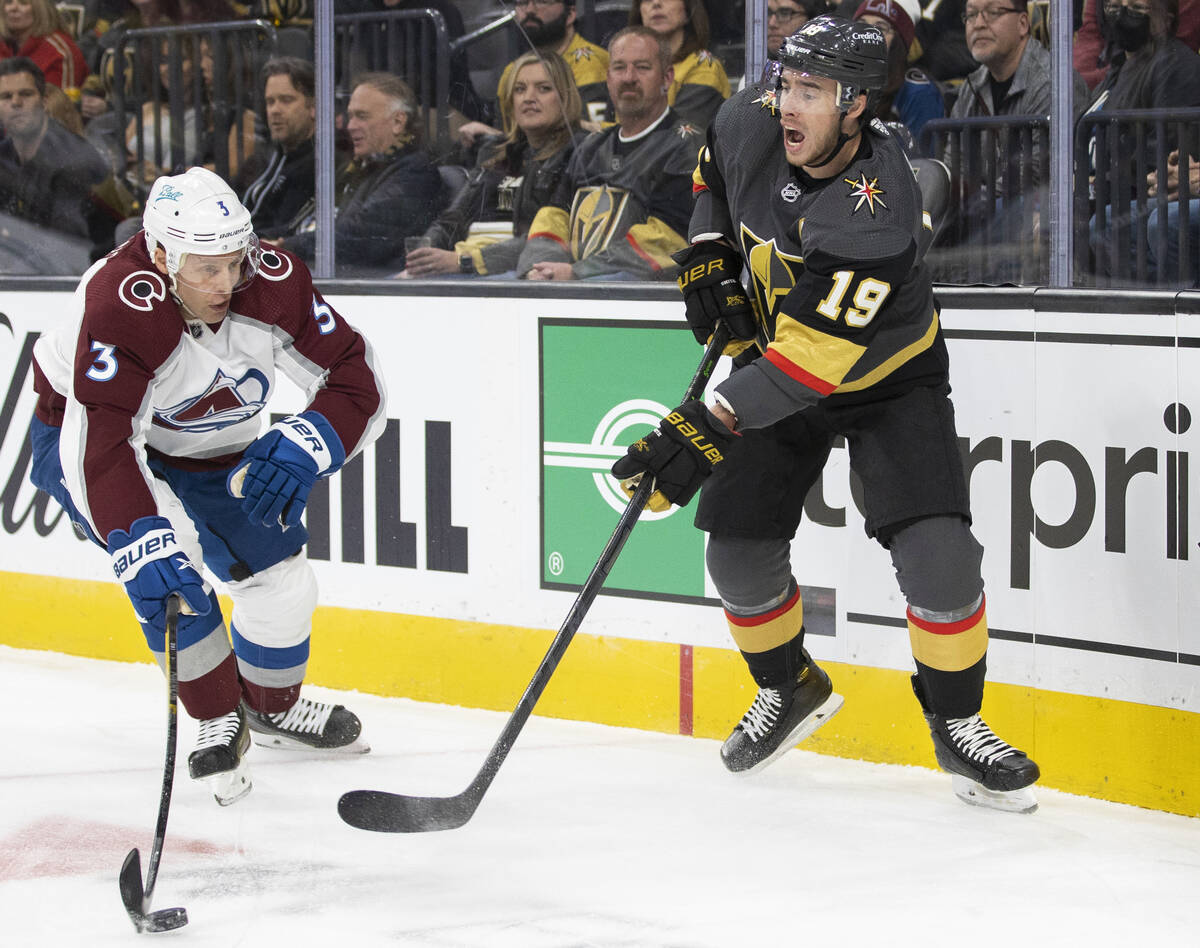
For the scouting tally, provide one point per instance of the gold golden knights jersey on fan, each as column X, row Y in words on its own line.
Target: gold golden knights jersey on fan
column 836, row 266
column 622, row 206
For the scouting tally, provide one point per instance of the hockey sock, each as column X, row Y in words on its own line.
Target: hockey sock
column 951, row 659
column 214, row 693
column 771, row 641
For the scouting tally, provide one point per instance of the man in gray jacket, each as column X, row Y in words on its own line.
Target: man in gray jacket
column 1005, row 176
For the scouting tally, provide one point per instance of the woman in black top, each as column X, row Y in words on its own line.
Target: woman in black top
column 514, row 177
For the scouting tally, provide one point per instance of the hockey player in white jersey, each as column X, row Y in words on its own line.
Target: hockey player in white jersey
column 149, row 431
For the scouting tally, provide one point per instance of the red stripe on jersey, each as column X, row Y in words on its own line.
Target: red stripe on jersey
column 549, row 236
column 948, row 628
column 641, row 253
column 793, row 371
column 747, row 621
column 697, row 188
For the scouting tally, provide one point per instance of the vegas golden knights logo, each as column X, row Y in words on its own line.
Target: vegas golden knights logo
column 773, row 273
column 597, row 213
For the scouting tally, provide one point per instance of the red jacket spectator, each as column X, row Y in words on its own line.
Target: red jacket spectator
column 35, row 30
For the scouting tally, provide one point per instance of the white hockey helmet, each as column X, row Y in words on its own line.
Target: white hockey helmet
column 197, row 212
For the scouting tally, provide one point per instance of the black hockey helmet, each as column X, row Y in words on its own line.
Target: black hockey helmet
column 851, row 53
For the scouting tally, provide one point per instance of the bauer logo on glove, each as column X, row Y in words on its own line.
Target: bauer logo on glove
column 679, row 455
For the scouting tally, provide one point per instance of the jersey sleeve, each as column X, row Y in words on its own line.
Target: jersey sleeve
column 125, row 339
column 329, row 360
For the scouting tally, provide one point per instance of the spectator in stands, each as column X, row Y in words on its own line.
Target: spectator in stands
column 46, row 172
column 549, row 25
column 34, row 29
column 1014, row 75
column 911, row 97
column 623, row 206
column 784, row 17
column 1093, row 48
column 699, row 85
column 287, row 185
column 200, row 121
column 1171, row 190
column 516, row 175
column 388, row 191
column 1152, row 69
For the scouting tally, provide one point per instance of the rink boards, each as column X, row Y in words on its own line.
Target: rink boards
column 451, row 551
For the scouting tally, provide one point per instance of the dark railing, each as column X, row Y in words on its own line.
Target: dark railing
column 1124, row 235
column 998, row 166
column 411, row 44
column 185, row 88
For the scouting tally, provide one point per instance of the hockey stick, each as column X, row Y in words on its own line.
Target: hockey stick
column 385, row 812
column 137, row 899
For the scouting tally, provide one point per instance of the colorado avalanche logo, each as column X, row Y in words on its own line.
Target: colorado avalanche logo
column 274, row 266
column 141, row 288
column 225, row 402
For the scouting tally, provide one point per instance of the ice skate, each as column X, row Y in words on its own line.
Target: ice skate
column 780, row 718
column 309, row 725
column 985, row 770
column 219, row 757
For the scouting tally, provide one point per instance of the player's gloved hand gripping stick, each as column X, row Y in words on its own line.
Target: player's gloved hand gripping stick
column 386, row 812
column 278, row 470
column 133, row 895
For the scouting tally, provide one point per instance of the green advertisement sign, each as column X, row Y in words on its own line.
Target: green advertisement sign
column 604, row 385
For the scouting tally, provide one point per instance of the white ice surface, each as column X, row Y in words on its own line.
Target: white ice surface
column 590, row 836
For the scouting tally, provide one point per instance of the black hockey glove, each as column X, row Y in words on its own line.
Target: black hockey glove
column 709, row 278
column 680, row 454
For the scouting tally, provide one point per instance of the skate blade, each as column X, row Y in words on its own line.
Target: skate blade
column 1010, row 801
column 229, row 786
column 818, row 718
column 280, row 742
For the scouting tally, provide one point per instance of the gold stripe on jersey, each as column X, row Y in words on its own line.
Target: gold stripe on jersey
column 654, row 242
column 827, row 358
column 949, row 646
column 597, row 213
column 889, row 366
column 698, row 182
column 764, row 632
column 700, row 68
column 551, row 222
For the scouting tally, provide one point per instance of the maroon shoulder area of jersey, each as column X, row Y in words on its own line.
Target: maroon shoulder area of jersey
column 128, row 305
column 281, row 293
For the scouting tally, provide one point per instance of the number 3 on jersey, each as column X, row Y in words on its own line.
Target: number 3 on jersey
column 868, row 297
column 104, row 366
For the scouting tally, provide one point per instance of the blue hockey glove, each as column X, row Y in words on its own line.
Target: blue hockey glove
column 278, row 470
column 680, row 454
column 710, row 280
column 151, row 564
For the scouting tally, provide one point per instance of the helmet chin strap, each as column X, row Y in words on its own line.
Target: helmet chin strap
column 837, row 146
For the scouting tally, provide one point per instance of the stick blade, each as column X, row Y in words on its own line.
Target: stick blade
column 164, row 920
column 381, row 812
column 130, row 882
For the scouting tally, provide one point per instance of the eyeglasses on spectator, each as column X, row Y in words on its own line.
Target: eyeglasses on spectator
column 990, row 15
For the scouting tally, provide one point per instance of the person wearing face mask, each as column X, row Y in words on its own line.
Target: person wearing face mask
column 1093, row 50
column 1151, row 69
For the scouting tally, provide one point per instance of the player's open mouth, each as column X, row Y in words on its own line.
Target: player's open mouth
column 792, row 138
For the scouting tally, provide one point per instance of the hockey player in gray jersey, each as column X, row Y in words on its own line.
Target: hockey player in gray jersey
column 820, row 205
